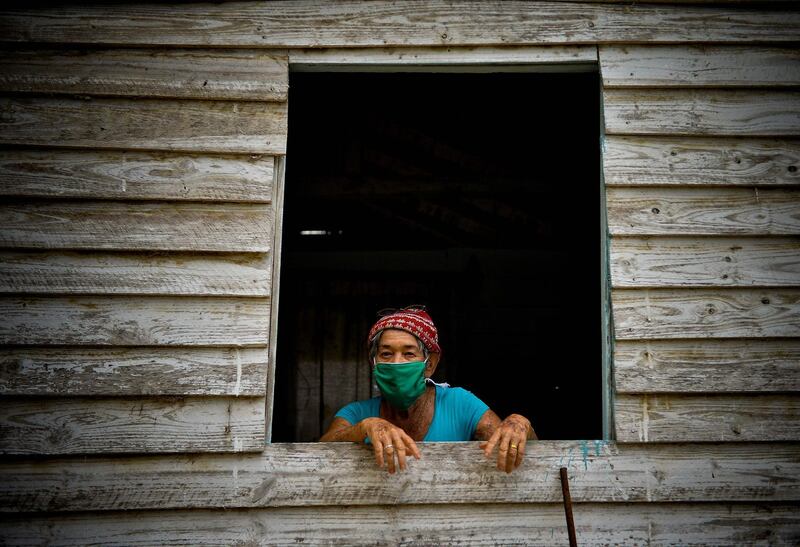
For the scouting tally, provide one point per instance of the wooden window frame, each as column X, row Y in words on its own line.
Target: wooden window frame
column 534, row 59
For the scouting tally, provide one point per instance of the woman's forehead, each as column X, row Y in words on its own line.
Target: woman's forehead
column 396, row 337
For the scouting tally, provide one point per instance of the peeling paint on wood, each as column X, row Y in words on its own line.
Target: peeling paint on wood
column 465, row 524
column 126, row 426
column 130, row 175
column 332, row 474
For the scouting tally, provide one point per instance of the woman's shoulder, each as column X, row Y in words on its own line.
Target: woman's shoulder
column 358, row 410
column 367, row 403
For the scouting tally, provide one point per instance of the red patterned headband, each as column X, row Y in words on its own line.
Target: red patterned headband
column 415, row 321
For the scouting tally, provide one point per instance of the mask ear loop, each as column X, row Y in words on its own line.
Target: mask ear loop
column 429, row 380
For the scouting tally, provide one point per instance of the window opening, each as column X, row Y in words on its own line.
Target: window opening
column 476, row 194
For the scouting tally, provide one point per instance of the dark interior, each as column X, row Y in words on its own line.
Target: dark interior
column 475, row 194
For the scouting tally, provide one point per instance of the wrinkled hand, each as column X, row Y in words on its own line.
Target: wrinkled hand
column 390, row 443
column 509, row 438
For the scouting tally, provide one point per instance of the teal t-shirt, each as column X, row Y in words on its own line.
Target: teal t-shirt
column 456, row 413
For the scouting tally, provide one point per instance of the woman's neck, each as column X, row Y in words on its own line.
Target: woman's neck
column 417, row 419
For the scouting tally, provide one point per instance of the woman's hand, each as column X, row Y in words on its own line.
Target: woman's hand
column 389, row 442
column 510, row 438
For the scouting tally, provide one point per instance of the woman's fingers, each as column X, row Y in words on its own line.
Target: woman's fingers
column 411, row 446
column 395, row 449
column 399, row 449
column 390, row 452
column 377, row 447
column 488, row 446
column 513, row 450
column 502, row 452
column 379, row 438
column 520, row 452
column 391, row 446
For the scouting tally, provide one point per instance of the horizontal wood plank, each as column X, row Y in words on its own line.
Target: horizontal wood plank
column 188, row 274
column 317, row 23
column 345, row 474
column 169, row 73
column 686, row 418
column 641, row 314
column 703, row 211
column 108, row 426
column 698, row 66
column 705, row 262
column 139, row 226
column 112, row 174
column 75, row 372
column 329, row 58
column 640, row 161
column 763, row 113
column 134, row 321
column 145, row 124
column 702, row 366
column 467, row 524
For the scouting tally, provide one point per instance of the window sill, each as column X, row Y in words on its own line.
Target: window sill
column 317, row 474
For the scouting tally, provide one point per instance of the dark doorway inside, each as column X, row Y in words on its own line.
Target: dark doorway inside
column 476, row 194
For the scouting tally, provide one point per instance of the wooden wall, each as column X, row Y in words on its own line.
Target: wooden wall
column 139, row 168
column 137, row 231
column 701, row 169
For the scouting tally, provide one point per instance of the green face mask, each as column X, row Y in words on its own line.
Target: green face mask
column 401, row 383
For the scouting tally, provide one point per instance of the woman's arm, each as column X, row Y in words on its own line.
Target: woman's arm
column 342, row 430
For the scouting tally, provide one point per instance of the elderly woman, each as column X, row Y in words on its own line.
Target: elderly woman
column 404, row 350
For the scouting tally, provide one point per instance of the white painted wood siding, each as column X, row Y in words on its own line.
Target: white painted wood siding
column 136, row 239
column 704, row 214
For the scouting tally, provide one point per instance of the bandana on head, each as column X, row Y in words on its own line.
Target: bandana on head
column 417, row 322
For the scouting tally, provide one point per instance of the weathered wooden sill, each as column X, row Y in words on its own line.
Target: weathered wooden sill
column 345, row 474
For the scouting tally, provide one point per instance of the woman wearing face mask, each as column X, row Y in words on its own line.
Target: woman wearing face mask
column 404, row 350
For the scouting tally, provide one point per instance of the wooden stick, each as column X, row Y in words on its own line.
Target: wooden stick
column 573, row 542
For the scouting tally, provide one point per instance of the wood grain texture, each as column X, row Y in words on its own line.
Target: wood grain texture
column 108, row 426
column 134, row 321
column 145, row 124
column 705, row 262
column 698, row 66
column 702, row 112
column 465, row 524
column 169, row 73
column 646, row 314
column 701, row 418
column 112, row 174
column 140, row 226
column 143, row 371
column 317, row 23
column 641, row 161
column 331, row 474
column 707, row 366
column 189, row 274
column 703, row 211
column 531, row 55
column 277, row 200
